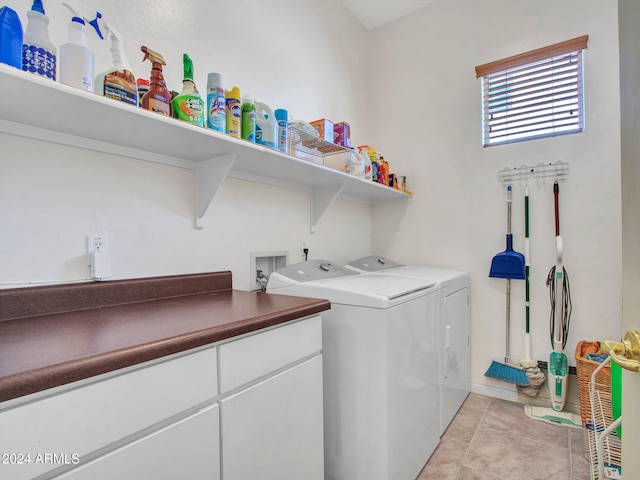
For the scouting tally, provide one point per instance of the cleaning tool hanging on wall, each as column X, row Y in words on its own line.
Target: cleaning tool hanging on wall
column 510, row 265
column 534, row 374
column 560, row 298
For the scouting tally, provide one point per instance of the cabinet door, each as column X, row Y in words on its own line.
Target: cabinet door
column 273, row 430
column 188, row 449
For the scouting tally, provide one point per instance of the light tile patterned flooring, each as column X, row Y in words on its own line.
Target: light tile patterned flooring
column 492, row 439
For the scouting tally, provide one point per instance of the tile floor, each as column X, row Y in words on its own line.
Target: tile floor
column 492, row 439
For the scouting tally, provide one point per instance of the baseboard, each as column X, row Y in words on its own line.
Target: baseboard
column 542, row 400
column 501, row 393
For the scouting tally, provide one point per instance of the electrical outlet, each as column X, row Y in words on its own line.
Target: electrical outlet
column 98, row 256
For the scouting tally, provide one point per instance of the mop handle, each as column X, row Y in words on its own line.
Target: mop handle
column 556, row 191
column 509, row 209
column 508, row 322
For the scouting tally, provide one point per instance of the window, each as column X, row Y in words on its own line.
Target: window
column 534, row 94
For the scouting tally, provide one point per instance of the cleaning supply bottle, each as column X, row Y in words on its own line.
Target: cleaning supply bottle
column 354, row 164
column 76, row 58
column 363, row 150
column 158, row 98
column 282, row 117
column 216, row 108
column 266, row 126
column 143, row 87
column 118, row 82
column 248, row 113
column 233, row 111
column 188, row 105
column 11, row 36
column 38, row 53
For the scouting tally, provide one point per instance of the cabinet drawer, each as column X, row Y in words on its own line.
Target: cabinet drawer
column 188, row 449
column 84, row 419
column 251, row 357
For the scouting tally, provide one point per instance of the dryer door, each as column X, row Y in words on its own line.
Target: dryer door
column 456, row 332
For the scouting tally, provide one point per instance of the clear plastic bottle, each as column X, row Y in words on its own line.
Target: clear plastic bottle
column 38, row 53
column 76, row 58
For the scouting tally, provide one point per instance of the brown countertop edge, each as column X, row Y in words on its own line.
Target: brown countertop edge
column 43, row 351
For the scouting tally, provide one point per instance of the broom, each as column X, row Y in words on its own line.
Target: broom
column 510, row 265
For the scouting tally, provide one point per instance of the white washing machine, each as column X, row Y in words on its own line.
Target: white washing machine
column 381, row 397
column 453, row 326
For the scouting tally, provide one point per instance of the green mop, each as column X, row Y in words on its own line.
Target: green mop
column 510, row 265
column 560, row 309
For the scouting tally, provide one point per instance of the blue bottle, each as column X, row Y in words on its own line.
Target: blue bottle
column 282, row 116
column 10, row 37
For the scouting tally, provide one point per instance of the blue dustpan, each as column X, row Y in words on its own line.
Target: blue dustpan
column 508, row 264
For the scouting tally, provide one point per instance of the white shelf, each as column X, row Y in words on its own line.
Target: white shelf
column 39, row 108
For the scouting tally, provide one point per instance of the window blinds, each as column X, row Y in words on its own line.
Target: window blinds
column 532, row 95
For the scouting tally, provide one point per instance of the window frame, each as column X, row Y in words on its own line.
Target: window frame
column 529, row 59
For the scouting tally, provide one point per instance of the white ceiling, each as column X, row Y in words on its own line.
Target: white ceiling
column 373, row 13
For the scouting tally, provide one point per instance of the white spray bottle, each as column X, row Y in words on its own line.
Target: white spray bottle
column 118, row 82
column 76, row 58
column 38, row 53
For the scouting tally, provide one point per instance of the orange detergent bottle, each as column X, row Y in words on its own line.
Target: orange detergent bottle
column 158, row 98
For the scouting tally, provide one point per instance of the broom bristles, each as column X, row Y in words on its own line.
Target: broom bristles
column 507, row 373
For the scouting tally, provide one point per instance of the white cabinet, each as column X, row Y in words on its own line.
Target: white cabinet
column 168, row 419
column 90, row 417
column 57, row 113
column 272, row 421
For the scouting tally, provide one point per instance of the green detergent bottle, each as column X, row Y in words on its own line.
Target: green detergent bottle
column 248, row 118
column 188, row 105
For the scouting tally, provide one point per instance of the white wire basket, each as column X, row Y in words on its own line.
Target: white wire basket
column 605, row 448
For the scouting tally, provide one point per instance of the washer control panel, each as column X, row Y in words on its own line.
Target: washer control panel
column 314, row 270
column 374, row 263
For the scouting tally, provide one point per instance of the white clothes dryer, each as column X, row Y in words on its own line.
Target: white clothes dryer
column 453, row 326
column 381, row 396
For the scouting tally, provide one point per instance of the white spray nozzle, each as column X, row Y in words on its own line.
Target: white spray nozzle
column 85, row 13
column 120, row 59
column 112, row 32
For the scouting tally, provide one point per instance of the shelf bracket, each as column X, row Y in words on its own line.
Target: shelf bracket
column 209, row 177
column 321, row 198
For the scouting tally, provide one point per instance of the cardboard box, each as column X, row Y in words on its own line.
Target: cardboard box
column 324, row 128
column 342, row 134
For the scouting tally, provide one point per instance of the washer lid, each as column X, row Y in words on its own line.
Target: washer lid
column 389, row 286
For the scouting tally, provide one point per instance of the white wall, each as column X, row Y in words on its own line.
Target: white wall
column 308, row 57
column 426, row 105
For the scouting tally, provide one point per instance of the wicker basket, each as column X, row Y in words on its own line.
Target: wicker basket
column 585, row 369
